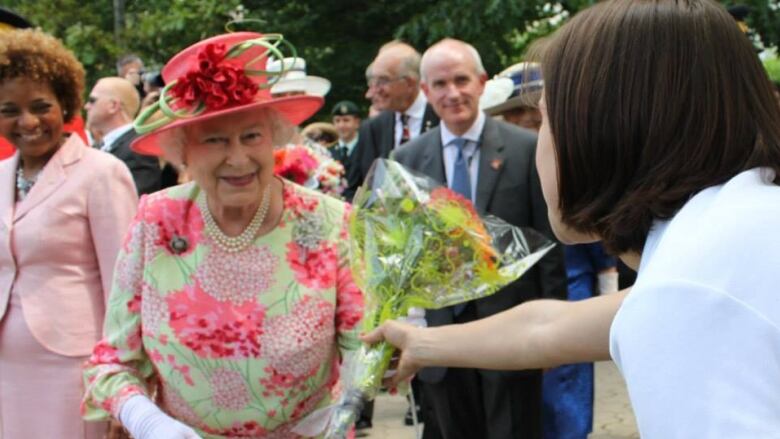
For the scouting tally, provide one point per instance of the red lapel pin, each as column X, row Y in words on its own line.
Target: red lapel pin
column 496, row 164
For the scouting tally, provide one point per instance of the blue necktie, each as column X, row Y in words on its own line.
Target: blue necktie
column 461, row 182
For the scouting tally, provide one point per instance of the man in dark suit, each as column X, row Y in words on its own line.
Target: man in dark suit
column 111, row 107
column 491, row 163
column 394, row 89
column 346, row 118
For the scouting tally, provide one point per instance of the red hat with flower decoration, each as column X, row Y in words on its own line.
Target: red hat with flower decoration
column 218, row 76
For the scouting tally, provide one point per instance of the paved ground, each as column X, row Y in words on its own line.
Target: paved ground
column 613, row 418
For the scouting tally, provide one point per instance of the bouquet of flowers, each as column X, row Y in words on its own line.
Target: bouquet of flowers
column 310, row 166
column 414, row 243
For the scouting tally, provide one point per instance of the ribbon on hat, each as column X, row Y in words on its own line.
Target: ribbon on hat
column 214, row 84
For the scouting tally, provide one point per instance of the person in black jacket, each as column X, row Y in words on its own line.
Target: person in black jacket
column 111, row 107
column 394, row 89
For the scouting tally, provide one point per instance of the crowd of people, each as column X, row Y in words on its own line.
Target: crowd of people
column 162, row 277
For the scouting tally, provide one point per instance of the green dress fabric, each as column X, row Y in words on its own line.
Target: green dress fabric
column 236, row 344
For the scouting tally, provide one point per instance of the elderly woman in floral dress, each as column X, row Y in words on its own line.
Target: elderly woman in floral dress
column 233, row 294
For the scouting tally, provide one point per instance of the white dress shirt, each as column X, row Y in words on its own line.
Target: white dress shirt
column 415, row 112
column 113, row 135
column 470, row 149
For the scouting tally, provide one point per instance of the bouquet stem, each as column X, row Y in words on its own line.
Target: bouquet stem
column 365, row 377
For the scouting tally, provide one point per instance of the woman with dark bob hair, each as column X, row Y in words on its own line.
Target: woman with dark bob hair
column 660, row 136
column 64, row 209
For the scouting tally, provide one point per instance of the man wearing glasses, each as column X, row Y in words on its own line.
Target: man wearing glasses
column 394, row 89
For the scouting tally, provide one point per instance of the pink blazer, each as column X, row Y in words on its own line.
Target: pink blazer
column 58, row 245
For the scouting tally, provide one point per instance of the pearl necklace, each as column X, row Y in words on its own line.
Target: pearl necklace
column 24, row 185
column 234, row 244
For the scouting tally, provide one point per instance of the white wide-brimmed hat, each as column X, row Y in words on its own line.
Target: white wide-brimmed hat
column 521, row 80
column 295, row 78
column 497, row 91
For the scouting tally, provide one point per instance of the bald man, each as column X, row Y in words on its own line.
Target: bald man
column 491, row 163
column 394, row 89
column 111, row 107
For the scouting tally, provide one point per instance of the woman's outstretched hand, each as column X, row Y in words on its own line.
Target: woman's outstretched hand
column 405, row 338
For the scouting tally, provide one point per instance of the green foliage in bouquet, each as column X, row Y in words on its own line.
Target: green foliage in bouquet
column 414, row 243
column 425, row 250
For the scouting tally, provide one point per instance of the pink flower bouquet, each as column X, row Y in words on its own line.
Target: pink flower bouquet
column 310, row 166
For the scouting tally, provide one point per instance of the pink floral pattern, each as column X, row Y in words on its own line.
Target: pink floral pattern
column 239, row 277
column 215, row 329
column 296, row 343
column 176, row 406
column 244, row 345
column 229, row 389
column 128, row 271
column 317, row 269
column 297, row 203
column 176, row 219
column 154, row 310
column 350, row 300
column 242, row 430
column 104, row 353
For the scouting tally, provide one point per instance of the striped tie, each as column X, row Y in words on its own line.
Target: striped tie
column 405, row 134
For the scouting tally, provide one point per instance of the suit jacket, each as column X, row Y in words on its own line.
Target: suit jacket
column 377, row 139
column 345, row 159
column 508, row 187
column 59, row 244
column 145, row 169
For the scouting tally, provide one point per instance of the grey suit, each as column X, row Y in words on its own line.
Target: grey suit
column 491, row 404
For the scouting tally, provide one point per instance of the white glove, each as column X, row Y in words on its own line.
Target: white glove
column 608, row 282
column 144, row 420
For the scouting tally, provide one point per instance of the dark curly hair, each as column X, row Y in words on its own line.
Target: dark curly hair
column 30, row 53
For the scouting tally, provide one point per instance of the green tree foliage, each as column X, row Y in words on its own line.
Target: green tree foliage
column 764, row 20
column 488, row 25
column 772, row 66
column 338, row 38
column 155, row 29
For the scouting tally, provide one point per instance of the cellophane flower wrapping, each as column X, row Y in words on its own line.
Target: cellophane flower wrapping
column 311, row 165
column 414, row 243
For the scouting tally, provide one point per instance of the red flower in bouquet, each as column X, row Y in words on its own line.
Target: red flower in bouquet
column 296, row 164
column 215, row 83
column 460, row 217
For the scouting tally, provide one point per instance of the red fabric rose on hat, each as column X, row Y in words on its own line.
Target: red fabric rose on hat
column 215, row 83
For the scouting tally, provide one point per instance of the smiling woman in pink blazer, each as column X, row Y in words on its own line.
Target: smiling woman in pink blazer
column 64, row 209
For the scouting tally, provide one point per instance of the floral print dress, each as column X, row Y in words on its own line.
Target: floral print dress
column 237, row 344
